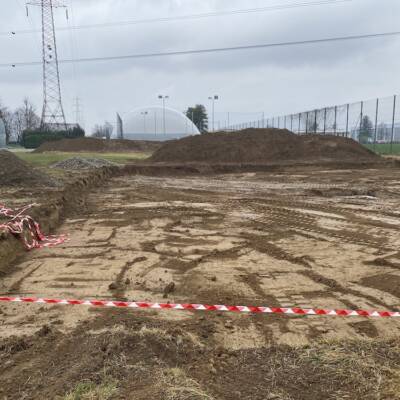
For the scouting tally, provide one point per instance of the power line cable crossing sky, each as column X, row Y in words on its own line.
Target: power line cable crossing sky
column 211, row 50
column 187, row 17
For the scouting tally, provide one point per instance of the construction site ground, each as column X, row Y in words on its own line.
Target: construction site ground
column 306, row 237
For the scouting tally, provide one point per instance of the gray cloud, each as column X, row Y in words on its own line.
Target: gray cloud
column 276, row 81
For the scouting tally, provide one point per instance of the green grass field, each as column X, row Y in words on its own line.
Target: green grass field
column 45, row 159
column 385, row 148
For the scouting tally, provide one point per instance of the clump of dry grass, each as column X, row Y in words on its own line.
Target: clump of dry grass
column 368, row 366
column 176, row 385
column 91, row 391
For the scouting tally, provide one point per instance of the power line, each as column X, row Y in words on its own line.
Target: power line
column 53, row 111
column 73, row 45
column 34, row 30
column 212, row 50
column 191, row 16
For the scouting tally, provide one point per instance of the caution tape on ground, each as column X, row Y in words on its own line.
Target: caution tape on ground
column 27, row 229
column 205, row 307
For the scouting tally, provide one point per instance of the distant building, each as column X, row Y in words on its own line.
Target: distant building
column 155, row 123
column 383, row 133
column 2, row 134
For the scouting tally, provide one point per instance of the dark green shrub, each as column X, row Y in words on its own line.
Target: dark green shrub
column 32, row 139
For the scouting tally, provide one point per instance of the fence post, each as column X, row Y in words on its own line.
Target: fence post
column 347, row 120
column 324, row 120
column 393, row 119
column 284, row 122
column 299, row 123
column 291, row 122
column 361, row 119
column 307, row 123
column 335, row 123
column 376, row 121
column 315, row 122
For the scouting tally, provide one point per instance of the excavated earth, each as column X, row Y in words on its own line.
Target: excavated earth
column 300, row 236
column 260, row 146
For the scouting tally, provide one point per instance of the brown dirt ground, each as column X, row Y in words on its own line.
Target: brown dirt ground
column 14, row 171
column 99, row 145
column 318, row 237
column 261, row 146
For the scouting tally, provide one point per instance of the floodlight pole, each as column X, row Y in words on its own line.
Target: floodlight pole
column 213, row 98
column 163, row 98
column 144, row 113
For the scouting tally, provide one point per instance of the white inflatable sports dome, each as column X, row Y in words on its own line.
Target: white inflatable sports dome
column 155, row 123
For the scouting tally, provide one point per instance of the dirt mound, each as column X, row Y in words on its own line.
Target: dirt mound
column 129, row 357
column 261, row 146
column 99, row 145
column 77, row 163
column 15, row 172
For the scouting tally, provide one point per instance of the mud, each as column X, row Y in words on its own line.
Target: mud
column 310, row 237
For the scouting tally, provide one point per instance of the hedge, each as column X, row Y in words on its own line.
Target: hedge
column 33, row 139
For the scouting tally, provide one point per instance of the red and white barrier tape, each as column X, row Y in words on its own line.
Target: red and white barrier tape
column 27, row 229
column 205, row 307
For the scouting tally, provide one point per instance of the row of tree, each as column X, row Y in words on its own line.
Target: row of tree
column 23, row 118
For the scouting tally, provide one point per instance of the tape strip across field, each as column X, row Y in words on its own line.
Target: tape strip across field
column 205, row 307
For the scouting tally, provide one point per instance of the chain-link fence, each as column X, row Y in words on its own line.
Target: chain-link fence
column 374, row 123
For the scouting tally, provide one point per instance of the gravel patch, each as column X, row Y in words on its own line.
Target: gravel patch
column 77, row 163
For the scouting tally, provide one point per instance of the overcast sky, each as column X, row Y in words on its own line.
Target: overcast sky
column 276, row 81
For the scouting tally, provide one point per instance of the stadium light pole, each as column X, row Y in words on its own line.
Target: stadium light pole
column 144, row 113
column 213, row 98
column 163, row 98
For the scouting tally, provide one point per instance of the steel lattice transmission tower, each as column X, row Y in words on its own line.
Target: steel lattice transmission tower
column 53, row 111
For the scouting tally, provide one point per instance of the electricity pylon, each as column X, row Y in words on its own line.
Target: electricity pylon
column 53, row 111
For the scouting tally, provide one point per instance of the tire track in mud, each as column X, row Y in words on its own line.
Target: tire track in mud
column 118, row 287
column 349, row 215
column 253, row 281
column 315, row 328
column 297, row 221
column 264, row 245
column 333, row 285
column 15, row 288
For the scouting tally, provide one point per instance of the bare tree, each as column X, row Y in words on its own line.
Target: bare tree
column 103, row 131
column 31, row 119
column 25, row 118
column 6, row 116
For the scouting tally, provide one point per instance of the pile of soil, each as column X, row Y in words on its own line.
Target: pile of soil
column 16, row 172
column 126, row 356
column 99, row 145
column 261, row 146
column 77, row 163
